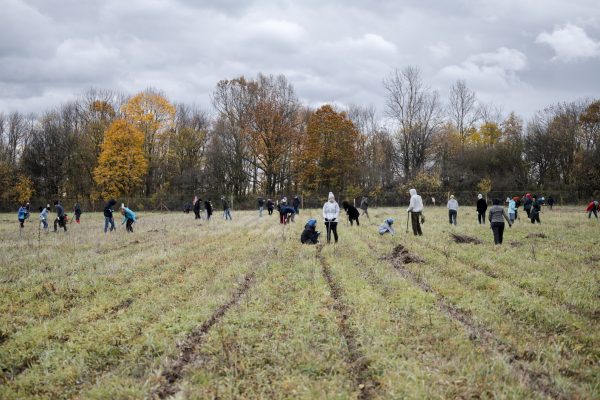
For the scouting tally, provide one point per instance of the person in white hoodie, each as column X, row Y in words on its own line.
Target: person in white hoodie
column 415, row 208
column 452, row 209
column 331, row 213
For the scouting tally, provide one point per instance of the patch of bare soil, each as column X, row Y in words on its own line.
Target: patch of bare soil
column 481, row 335
column 121, row 306
column 191, row 344
column 357, row 362
column 465, row 239
column 536, row 235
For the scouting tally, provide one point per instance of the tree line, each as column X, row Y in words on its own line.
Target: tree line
column 261, row 140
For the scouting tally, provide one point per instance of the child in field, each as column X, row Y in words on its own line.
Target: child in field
column 512, row 210
column 386, row 227
column 108, row 216
column 129, row 217
column 310, row 234
column 44, row 217
column 22, row 215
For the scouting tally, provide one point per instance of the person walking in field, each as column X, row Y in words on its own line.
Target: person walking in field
column 310, row 234
column 452, row 210
column 550, row 202
column 270, row 206
column 77, row 212
column 593, row 208
column 512, row 209
column 197, row 207
column 261, row 206
column 364, row 206
column 415, row 208
column 331, row 214
column 22, row 215
column 226, row 209
column 28, row 208
column 209, row 209
column 496, row 216
column 296, row 205
column 60, row 217
column 44, row 217
column 534, row 212
column 527, row 204
column 129, row 218
column 481, row 208
column 517, row 200
column 108, row 216
column 352, row 212
column 386, row 227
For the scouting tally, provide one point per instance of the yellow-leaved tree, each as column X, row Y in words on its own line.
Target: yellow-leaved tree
column 23, row 189
column 121, row 166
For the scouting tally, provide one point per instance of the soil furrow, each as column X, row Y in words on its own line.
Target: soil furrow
column 191, row 344
column 537, row 381
column 358, row 363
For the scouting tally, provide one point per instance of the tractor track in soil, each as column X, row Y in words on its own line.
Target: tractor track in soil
column 484, row 337
column 189, row 347
column 356, row 360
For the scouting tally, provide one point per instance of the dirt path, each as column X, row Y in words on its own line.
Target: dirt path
column 357, row 362
column 480, row 335
column 189, row 348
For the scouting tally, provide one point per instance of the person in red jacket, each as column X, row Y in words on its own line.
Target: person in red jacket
column 593, row 207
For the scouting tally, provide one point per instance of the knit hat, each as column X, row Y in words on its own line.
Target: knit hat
column 331, row 196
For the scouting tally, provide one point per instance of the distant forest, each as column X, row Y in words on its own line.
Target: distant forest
column 260, row 140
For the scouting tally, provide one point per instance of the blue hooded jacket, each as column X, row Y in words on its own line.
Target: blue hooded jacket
column 22, row 213
column 128, row 215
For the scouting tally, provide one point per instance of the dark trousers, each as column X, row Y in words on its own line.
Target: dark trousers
column 415, row 219
column 270, row 211
column 60, row 221
column 481, row 217
column 22, row 221
column 197, row 213
column 528, row 211
column 129, row 225
column 331, row 228
column 452, row 216
column 535, row 217
column 77, row 217
column 352, row 220
column 589, row 214
column 498, row 229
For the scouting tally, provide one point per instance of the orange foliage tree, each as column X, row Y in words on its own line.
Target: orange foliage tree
column 329, row 156
column 121, row 165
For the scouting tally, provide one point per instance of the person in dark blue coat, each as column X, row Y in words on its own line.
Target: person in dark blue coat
column 310, row 234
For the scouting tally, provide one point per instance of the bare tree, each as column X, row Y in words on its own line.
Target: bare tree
column 416, row 109
column 463, row 109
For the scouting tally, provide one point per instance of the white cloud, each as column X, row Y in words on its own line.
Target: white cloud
column 439, row 50
column 570, row 43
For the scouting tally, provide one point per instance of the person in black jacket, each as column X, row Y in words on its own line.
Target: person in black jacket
column 481, row 208
column 60, row 217
column 310, row 234
column 296, row 205
column 226, row 209
column 108, row 215
column 77, row 211
column 534, row 213
column 352, row 212
column 270, row 206
column 197, row 206
column 208, row 207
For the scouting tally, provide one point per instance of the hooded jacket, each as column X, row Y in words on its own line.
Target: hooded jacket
column 22, row 213
column 108, row 211
column 128, row 215
column 387, row 227
column 512, row 206
column 44, row 214
column 310, row 234
column 416, row 202
column 331, row 209
column 594, row 205
column 60, row 211
column 453, row 204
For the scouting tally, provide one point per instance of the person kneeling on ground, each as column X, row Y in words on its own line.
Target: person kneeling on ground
column 352, row 212
column 310, row 234
column 496, row 216
column 129, row 217
column 386, row 227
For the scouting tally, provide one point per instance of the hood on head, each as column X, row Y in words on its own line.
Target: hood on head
column 390, row 221
column 112, row 202
column 122, row 206
column 412, row 192
column 480, row 196
column 331, row 197
column 451, row 196
column 47, row 205
column 311, row 222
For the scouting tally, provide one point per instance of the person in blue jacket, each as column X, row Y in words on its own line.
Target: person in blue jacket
column 386, row 227
column 22, row 215
column 310, row 234
column 129, row 217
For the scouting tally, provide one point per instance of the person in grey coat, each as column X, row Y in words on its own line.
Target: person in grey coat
column 496, row 216
column 452, row 210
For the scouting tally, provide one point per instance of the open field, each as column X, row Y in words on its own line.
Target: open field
column 242, row 310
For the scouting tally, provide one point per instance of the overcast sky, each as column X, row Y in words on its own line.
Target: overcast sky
column 519, row 54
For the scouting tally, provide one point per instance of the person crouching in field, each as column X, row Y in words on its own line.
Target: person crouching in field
column 22, row 215
column 331, row 213
column 286, row 214
column 415, row 208
column 386, row 227
column 352, row 212
column 129, row 218
column 452, row 210
column 108, row 215
column 60, row 217
column 534, row 212
column 496, row 216
column 310, row 234
column 481, row 207
column 44, row 217
column 593, row 208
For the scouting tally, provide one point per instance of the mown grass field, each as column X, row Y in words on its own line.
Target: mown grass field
column 241, row 309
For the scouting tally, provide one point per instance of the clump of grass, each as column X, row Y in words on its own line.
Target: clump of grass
column 465, row 239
